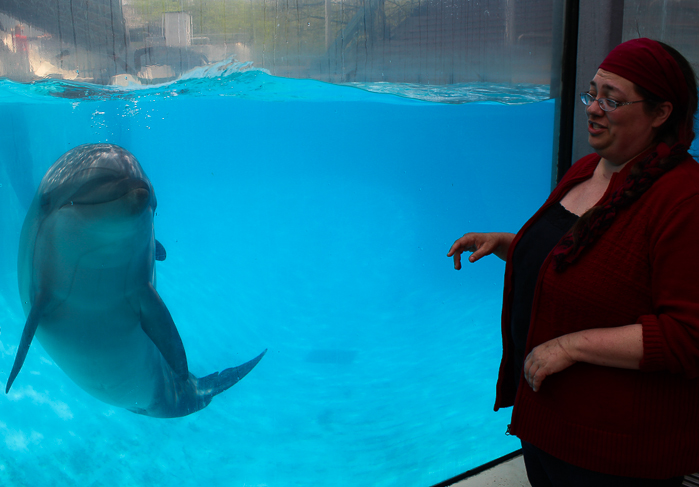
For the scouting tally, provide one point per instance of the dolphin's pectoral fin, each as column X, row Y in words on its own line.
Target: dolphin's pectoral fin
column 216, row 383
column 27, row 336
column 158, row 325
column 160, row 253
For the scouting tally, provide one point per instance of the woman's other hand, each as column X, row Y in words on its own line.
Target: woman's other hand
column 546, row 359
column 481, row 244
column 620, row 347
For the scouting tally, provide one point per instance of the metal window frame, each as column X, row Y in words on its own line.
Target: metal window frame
column 599, row 29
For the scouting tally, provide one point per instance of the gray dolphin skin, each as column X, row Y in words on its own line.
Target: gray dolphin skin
column 86, row 272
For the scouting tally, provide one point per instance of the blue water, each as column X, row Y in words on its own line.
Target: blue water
column 309, row 219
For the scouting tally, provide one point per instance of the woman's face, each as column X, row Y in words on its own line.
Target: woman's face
column 620, row 135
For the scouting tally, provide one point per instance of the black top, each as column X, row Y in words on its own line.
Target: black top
column 531, row 251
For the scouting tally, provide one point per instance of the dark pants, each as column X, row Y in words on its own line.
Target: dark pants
column 544, row 470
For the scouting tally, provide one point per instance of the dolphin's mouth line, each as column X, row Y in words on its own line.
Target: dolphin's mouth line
column 106, row 190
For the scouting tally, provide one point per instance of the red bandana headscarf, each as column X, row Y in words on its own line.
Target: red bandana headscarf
column 645, row 62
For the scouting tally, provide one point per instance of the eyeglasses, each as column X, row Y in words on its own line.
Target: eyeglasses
column 606, row 104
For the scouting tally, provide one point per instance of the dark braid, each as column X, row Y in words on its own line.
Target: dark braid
column 677, row 131
column 595, row 221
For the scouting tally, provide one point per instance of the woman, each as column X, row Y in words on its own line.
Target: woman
column 602, row 290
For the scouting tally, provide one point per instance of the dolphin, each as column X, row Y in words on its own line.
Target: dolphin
column 86, row 272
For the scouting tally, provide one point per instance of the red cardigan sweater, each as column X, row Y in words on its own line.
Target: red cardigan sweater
column 644, row 269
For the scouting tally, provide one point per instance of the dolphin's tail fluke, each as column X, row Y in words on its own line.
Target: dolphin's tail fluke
column 194, row 394
column 216, row 383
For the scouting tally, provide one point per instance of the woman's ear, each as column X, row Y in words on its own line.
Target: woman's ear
column 662, row 113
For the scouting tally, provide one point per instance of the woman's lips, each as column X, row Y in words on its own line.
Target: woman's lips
column 594, row 128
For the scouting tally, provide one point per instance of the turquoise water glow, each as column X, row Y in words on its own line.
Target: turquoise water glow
column 309, row 219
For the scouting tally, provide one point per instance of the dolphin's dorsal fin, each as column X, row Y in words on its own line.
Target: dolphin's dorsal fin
column 25, row 342
column 158, row 325
column 160, row 253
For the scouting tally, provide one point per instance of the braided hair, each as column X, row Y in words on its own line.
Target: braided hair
column 673, row 139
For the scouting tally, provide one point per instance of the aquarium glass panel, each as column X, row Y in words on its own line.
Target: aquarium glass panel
column 185, row 185
column 307, row 219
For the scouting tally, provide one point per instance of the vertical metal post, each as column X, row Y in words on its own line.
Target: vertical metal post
column 563, row 83
column 591, row 30
column 599, row 31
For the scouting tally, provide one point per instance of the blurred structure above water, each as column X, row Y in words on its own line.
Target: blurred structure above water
column 433, row 42
column 62, row 39
column 415, row 41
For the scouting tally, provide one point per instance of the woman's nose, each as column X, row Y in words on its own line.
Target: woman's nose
column 594, row 108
